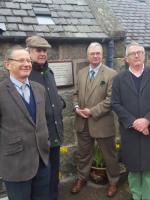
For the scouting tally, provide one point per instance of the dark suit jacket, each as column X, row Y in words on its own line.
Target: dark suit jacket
column 129, row 105
column 101, row 123
column 21, row 141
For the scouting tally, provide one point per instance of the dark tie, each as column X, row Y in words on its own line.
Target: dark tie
column 92, row 74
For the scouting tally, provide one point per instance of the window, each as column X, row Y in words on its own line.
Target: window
column 44, row 19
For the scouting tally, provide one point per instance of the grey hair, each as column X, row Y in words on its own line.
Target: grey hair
column 11, row 50
column 94, row 44
column 133, row 43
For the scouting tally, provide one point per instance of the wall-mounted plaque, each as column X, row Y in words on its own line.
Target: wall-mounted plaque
column 63, row 72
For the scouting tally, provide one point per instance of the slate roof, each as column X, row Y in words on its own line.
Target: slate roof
column 134, row 15
column 73, row 19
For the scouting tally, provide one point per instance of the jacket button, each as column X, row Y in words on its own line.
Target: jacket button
column 53, row 105
column 48, row 88
column 55, row 122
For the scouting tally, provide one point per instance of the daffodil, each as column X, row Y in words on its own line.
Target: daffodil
column 63, row 149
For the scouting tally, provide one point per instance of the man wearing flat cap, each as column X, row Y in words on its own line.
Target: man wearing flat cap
column 38, row 47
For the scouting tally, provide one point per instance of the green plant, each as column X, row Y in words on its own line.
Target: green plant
column 98, row 160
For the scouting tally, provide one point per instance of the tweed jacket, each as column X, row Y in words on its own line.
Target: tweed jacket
column 101, row 123
column 22, row 141
column 130, row 105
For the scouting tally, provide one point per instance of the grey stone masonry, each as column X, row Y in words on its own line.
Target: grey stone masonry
column 25, row 27
column 134, row 16
column 12, row 27
column 5, row 12
column 14, row 19
column 69, row 15
column 25, row 6
column 20, row 12
column 12, row 5
column 29, row 20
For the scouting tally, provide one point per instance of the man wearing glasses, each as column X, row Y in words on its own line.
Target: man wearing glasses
column 24, row 145
column 131, row 102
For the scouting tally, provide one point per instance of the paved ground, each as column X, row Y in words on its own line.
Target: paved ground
column 93, row 192
column 90, row 192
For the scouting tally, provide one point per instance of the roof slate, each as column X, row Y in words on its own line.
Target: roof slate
column 73, row 19
column 134, row 15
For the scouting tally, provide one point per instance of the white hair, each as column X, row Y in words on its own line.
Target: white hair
column 94, row 44
column 133, row 43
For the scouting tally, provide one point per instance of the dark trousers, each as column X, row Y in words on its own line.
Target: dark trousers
column 54, row 172
column 36, row 188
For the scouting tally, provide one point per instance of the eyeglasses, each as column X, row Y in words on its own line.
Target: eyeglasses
column 22, row 61
column 134, row 53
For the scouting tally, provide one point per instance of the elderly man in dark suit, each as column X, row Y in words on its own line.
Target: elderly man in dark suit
column 94, row 119
column 24, row 145
column 41, row 73
column 131, row 102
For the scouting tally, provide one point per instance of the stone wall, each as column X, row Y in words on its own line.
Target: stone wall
column 76, row 52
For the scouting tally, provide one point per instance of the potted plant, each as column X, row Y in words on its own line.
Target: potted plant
column 98, row 170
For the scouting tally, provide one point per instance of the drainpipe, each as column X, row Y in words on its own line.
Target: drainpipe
column 110, row 53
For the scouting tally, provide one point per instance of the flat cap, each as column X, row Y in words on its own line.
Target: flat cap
column 37, row 41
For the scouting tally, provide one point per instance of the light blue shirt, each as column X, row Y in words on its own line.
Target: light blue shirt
column 22, row 88
column 96, row 69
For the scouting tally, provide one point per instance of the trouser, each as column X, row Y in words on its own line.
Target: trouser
column 36, row 188
column 54, row 172
column 85, row 150
column 139, row 183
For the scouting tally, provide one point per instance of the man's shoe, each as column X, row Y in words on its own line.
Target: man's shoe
column 112, row 190
column 77, row 186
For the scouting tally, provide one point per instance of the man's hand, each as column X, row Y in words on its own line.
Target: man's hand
column 141, row 125
column 87, row 112
column 81, row 113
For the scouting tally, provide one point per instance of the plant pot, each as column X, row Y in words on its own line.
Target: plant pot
column 98, row 175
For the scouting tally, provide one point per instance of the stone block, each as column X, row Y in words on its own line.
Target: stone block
column 12, row 27
column 31, row 13
column 5, row 12
column 67, row 7
column 3, row 19
column 119, row 49
column 14, row 19
column 20, row 12
column 41, row 28
column 25, row 6
column 70, row 28
column 30, row 20
column 76, row 14
column 119, row 64
column 84, row 29
column 25, row 27
column 12, row 5
column 69, row 51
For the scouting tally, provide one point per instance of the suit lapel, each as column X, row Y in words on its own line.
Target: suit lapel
column 18, row 99
column 84, row 80
column 145, row 78
column 37, row 98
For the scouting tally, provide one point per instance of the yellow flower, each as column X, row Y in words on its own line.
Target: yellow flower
column 63, row 149
column 118, row 146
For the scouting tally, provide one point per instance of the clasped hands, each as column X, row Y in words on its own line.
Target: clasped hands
column 85, row 113
column 141, row 125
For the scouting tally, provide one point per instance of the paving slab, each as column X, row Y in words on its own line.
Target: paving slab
column 93, row 192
